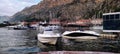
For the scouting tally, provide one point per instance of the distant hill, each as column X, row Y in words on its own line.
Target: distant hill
column 68, row 9
column 4, row 18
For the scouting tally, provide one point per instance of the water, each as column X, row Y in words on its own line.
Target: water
column 18, row 41
column 25, row 42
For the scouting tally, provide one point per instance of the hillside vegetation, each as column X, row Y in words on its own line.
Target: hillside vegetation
column 68, row 9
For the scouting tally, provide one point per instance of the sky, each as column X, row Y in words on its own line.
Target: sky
column 10, row 7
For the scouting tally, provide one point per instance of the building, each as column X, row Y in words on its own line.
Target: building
column 111, row 22
column 54, row 21
column 83, row 22
column 97, row 21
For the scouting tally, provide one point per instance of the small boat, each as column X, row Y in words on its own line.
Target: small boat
column 80, row 35
column 22, row 27
column 48, row 36
column 10, row 27
column 17, row 27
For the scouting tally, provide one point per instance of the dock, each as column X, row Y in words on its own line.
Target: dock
column 75, row 52
column 108, row 36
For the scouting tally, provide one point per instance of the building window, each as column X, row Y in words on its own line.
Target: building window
column 111, row 17
column 107, row 17
column 117, row 16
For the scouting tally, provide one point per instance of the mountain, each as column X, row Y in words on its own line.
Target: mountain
column 4, row 18
column 68, row 9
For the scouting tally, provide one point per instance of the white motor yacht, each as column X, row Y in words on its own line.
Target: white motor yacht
column 80, row 35
column 49, row 35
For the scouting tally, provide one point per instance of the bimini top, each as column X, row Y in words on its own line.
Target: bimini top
column 111, row 13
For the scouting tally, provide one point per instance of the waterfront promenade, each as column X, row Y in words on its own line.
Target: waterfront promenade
column 75, row 52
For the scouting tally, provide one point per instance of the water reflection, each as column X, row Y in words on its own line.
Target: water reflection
column 18, row 41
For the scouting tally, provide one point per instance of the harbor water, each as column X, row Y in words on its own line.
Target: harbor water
column 25, row 42
column 18, row 41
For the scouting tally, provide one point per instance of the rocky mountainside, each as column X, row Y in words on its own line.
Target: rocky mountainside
column 68, row 9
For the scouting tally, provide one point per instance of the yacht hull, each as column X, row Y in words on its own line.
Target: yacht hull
column 81, row 38
column 80, row 35
column 48, row 39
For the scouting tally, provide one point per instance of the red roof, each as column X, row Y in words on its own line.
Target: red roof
column 54, row 21
column 83, row 22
